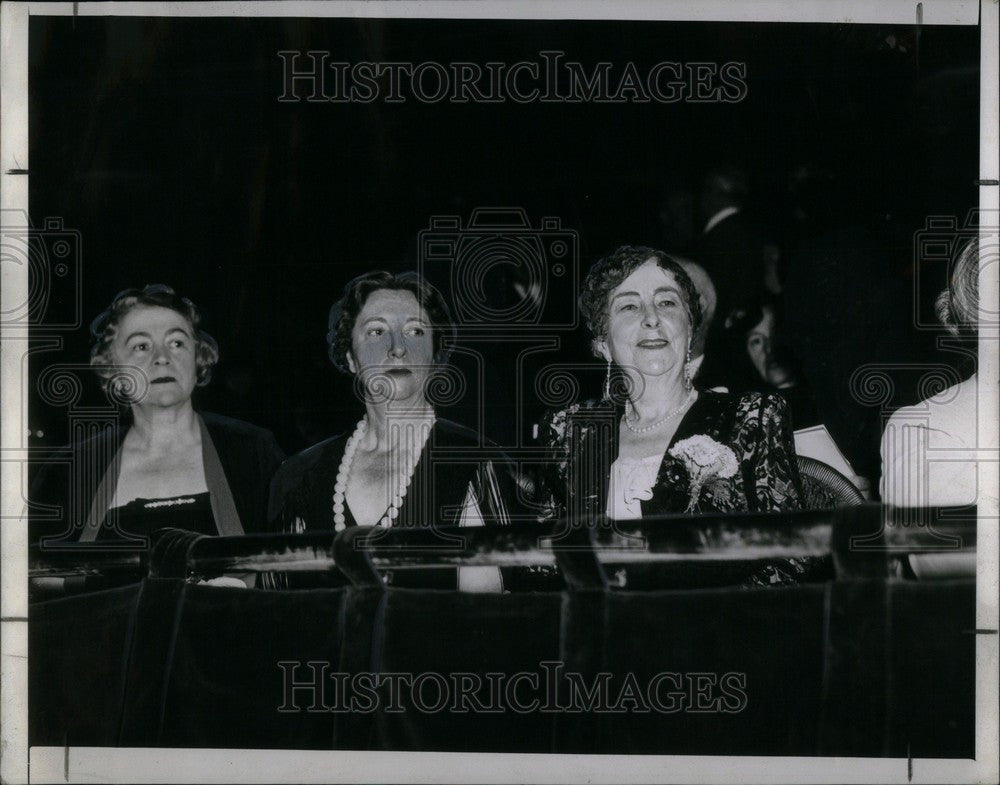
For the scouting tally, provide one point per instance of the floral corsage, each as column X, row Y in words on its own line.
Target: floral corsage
column 706, row 462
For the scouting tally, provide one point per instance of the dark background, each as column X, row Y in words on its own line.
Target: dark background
column 162, row 141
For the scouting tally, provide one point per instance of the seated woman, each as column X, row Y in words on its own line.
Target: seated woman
column 167, row 465
column 664, row 446
column 920, row 442
column 399, row 466
column 754, row 359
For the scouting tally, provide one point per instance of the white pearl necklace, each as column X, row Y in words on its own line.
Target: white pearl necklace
column 658, row 423
column 403, row 479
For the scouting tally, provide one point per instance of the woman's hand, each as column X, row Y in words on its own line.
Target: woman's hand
column 224, row 580
column 477, row 579
column 46, row 588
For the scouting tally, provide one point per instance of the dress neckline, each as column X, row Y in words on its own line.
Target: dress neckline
column 687, row 426
column 176, row 500
column 223, row 504
column 691, row 423
column 349, row 517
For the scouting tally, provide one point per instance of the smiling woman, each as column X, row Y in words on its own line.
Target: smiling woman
column 655, row 444
column 167, row 465
column 402, row 465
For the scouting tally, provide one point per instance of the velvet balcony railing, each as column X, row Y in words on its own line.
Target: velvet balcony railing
column 864, row 664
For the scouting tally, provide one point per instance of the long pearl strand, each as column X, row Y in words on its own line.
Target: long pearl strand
column 344, row 472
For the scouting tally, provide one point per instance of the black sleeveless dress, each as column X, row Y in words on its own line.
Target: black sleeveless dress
column 129, row 528
column 138, row 519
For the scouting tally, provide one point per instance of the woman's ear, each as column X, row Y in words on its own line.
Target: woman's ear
column 601, row 349
column 351, row 365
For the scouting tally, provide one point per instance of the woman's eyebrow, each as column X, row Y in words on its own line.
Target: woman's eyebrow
column 624, row 294
column 138, row 334
column 179, row 330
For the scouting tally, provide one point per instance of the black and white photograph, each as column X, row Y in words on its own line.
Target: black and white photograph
column 500, row 391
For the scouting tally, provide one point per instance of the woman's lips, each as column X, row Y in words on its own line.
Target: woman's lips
column 163, row 380
column 657, row 343
column 398, row 371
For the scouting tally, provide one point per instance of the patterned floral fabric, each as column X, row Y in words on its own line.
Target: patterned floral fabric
column 582, row 443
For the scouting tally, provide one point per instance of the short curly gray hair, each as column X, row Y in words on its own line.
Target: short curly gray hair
column 609, row 272
column 104, row 328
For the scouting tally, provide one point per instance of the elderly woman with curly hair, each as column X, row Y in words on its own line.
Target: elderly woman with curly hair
column 402, row 465
column 655, row 444
column 166, row 464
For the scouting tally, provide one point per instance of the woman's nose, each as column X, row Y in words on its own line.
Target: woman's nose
column 160, row 356
column 397, row 348
column 650, row 318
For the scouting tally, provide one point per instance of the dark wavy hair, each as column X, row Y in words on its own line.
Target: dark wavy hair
column 734, row 356
column 608, row 273
column 344, row 313
column 105, row 327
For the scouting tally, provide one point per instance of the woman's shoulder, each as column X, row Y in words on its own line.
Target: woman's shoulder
column 717, row 400
column 101, row 441
column 50, row 471
column 759, row 404
column 300, row 477
column 951, row 412
column 744, row 413
column 451, row 433
column 553, row 423
column 593, row 407
column 242, row 444
column 319, row 453
column 958, row 396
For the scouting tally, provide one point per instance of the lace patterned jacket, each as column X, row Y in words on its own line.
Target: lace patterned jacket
column 582, row 444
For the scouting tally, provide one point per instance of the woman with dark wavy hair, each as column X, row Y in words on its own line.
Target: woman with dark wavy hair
column 167, row 464
column 393, row 334
column 655, row 444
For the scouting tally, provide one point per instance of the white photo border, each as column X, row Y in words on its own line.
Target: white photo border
column 46, row 764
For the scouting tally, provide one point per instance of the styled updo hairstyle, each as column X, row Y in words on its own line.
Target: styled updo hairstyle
column 608, row 273
column 957, row 307
column 104, row 329
column 344, row 313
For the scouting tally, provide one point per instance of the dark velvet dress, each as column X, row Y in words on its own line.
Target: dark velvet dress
column 142, row 517
column 454, row 461
column 73, row 488
column 68, row 488
column 755, row 428
column 132, row 526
